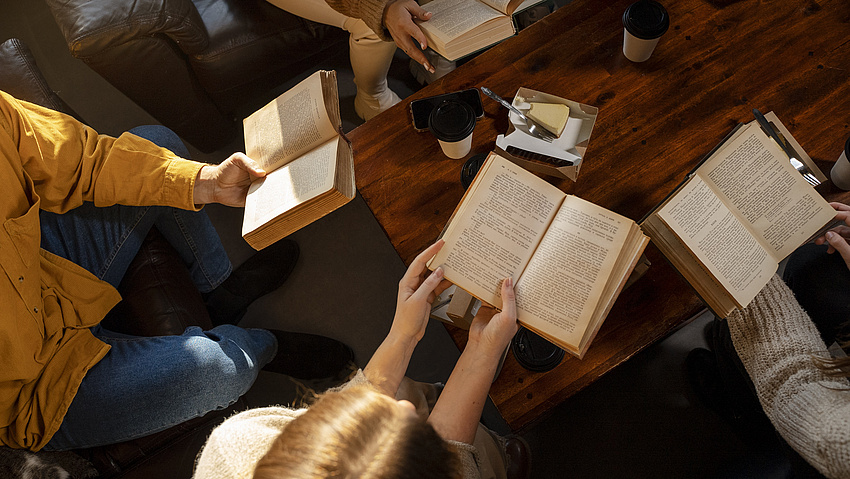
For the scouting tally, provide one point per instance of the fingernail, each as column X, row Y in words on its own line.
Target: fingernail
column 509, row 281
column 830, row 235
column 439, row 271
column 429, row 67
column 421, row 46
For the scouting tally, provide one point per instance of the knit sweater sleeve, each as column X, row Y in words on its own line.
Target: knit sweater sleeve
column 470, row 462
column 370, row 11
column 776, row 340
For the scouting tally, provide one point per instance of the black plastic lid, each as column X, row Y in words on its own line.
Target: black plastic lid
column 646, row 19
column 535, row 353
column 470, row 169
column 452, row 120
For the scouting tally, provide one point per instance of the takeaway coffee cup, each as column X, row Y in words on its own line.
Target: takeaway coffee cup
column 643, row 24
column 840, row 173
column 452, row 122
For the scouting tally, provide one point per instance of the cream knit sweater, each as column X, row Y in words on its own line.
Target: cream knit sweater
column 234, row 447
column 370, row 11
column 776, row 340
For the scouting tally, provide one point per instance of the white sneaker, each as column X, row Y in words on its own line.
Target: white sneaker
column 368, row 106
column 440, row 64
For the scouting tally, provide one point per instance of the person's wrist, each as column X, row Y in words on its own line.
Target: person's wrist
column 484, row 349
column 386, row 11
column 204, row 190
column 404, row 339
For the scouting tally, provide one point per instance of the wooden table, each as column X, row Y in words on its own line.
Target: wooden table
column 718, row 61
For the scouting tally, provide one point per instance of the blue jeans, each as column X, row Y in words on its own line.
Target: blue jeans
column 148, row 384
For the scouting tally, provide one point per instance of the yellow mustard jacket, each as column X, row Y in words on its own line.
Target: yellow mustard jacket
column 54, row 163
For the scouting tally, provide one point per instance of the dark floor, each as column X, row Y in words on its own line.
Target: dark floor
column 640, row 420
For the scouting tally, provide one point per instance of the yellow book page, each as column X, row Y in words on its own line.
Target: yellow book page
column 496, row 229
column 756, row 179
column 291, row 185
column 289, row 126
column 719, row 240
column 561, row 288
column 453, row 18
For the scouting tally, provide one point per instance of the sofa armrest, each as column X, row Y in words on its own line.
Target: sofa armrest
column 91, row 26
column 21, row 78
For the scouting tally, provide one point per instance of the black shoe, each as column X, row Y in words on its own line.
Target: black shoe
column 261, row 274
column 310, row 356
column 705, row 380
column 734, row 403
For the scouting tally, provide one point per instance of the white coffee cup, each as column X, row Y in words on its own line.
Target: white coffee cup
column 452, row 122
column 644, row 22
column 457, row 149
column 840, row 173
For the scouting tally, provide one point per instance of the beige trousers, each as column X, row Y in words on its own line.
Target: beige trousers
column 370, row 56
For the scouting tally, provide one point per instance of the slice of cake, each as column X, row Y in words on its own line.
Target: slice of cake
column 552, row 116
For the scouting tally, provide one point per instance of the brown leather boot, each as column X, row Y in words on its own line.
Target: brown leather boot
column 519, row 457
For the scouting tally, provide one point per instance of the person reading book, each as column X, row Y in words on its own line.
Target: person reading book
column 373, row 26
column 368, row 428
column 771, row 359
column 76, row 206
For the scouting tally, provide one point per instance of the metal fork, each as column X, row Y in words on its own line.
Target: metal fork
column 792, row 155
column 804, row 171
column 533, row 128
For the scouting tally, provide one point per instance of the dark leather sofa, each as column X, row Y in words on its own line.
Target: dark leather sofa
column 159, row 298
column 197, row 66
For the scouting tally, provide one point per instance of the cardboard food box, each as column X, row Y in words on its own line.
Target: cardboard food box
column 562, row 157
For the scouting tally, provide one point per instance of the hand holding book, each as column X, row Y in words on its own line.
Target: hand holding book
column 399, row 20
column 228, row 182
column 494, row 330
column 837, row 237
column 416, row 294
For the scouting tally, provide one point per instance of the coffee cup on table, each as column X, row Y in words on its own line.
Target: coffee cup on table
column 452, row 122
column 840, row 173
column 643, row 24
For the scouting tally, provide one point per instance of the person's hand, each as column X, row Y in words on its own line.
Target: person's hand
column 837, row 237
column 398, row 18
column 227, row 183
column 493, row 331
column 416, row 292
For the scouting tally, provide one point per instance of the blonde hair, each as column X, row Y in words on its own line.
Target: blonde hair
column 835, row 367
column 358, row 432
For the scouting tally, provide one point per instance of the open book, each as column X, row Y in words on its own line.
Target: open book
column 735, row 217
column 460, row 27
column 297, row 139
column 569, row 258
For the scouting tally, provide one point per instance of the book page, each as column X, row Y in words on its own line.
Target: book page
column 719, row 240
column 560, row 289
column 289, row 126
column 291, row 185
column 453, row 18
column 497, row 228
column 505, row 6
column 756, row 178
